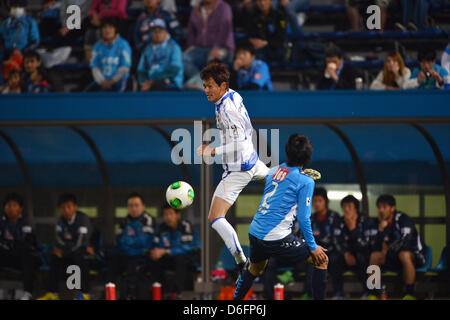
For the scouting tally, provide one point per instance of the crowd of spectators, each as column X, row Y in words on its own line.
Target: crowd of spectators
column 143, row 251
column 154, row 51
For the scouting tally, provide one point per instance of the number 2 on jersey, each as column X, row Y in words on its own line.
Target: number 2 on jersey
column 265, row 206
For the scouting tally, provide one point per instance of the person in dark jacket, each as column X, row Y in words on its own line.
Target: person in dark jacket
column 397, row 246
column 73, row 234
column 135, row 237
column 18, row 243
column 177, row 248
column 352, row 241
column 338, row 75
column 266, row 30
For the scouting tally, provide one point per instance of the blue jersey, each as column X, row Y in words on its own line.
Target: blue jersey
column 110, row 57
column 287, row 196
column 257, row 74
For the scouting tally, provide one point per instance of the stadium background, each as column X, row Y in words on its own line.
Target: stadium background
column 101, row 146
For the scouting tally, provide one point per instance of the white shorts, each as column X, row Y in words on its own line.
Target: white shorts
column 233, row 182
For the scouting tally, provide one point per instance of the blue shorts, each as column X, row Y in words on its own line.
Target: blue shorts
column 290, row 249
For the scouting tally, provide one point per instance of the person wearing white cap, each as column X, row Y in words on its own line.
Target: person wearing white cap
column 160, row 66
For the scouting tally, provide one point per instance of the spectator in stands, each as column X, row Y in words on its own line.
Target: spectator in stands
column 210, row 36
column 161, row 65
column 250, row 73
column 111, row 60
column 397, row 247
column 293, row 10
column 430, row 75
column 15, row 62
column 352, row 241
column 394, row 76
column 13, row 85
column 338, row 75
column 414, row 14
column 18, row 243
column 73, row 232
column 36, row 78
column 5, row 7
column 153, row 10
column 134, row 239
column 177, row 249
column 266, row 30
column 19, row 31
column 100, row 10
column 445, row 60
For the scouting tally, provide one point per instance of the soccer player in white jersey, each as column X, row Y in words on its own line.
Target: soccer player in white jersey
column 240, row 159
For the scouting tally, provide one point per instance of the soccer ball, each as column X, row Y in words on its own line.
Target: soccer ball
column 180, row 195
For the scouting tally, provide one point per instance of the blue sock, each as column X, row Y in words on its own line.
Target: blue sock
column 319, row 284
column 244, row 284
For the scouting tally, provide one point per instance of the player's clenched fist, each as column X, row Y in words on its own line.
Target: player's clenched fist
column 204, row 150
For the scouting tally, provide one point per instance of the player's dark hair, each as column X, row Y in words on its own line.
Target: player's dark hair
column 110, row 22
column 298, row 150
column 67, row 197
column 246, row 46
column 29, row 54
column 333, row 51
column 13, row 197
column 350, row 199
column 136, row 195
column 321, row 192
column 218, row 71
column 386, row 199
column 167, row 206
column 426, row 55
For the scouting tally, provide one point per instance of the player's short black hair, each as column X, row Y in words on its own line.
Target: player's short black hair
column 218, row 71
column 350, row 199
column 426, row 55
column 13, row 196
column 333, row 51
column 28, row 54
column 67, row 197
column 321, row 192
column 298, row 150
column 167, row 206
column 136, row 195
column 387, row 199
column 246, row 46
column 110, row 22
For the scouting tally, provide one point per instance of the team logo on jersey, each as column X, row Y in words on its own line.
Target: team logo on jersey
column 280, row 174
column 308, row 201
column 235, row 131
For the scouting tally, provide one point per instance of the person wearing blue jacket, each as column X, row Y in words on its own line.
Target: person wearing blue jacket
column 111, row 60
column 177, row 247
column 250, row 73
column 161, row 64
column 19, row 31
column 134, row 237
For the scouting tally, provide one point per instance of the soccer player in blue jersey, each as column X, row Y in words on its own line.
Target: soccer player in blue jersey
column 287, row 196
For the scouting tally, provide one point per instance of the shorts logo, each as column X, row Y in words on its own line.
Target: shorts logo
column 308, row 201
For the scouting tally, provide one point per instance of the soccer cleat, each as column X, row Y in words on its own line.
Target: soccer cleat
column 49, row 296
column 409, row 297
column 26, row 296
column 83, row 296
column 314, row 174
column 305, row 296
column 372, row 297
column 242, row 266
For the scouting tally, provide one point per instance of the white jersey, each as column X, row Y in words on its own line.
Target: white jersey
column 238, row 153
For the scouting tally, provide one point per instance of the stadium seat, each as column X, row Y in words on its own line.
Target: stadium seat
column 443, row 260
column 428, row 261
column 227, row 259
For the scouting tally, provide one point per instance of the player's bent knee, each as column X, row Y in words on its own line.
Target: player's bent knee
column 405, row 256
column 257, row 269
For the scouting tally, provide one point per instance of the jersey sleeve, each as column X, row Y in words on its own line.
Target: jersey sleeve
column 125, row 55
column 96, row 56
column 304, row 199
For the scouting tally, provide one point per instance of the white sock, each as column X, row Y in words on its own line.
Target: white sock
column 229, row 236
